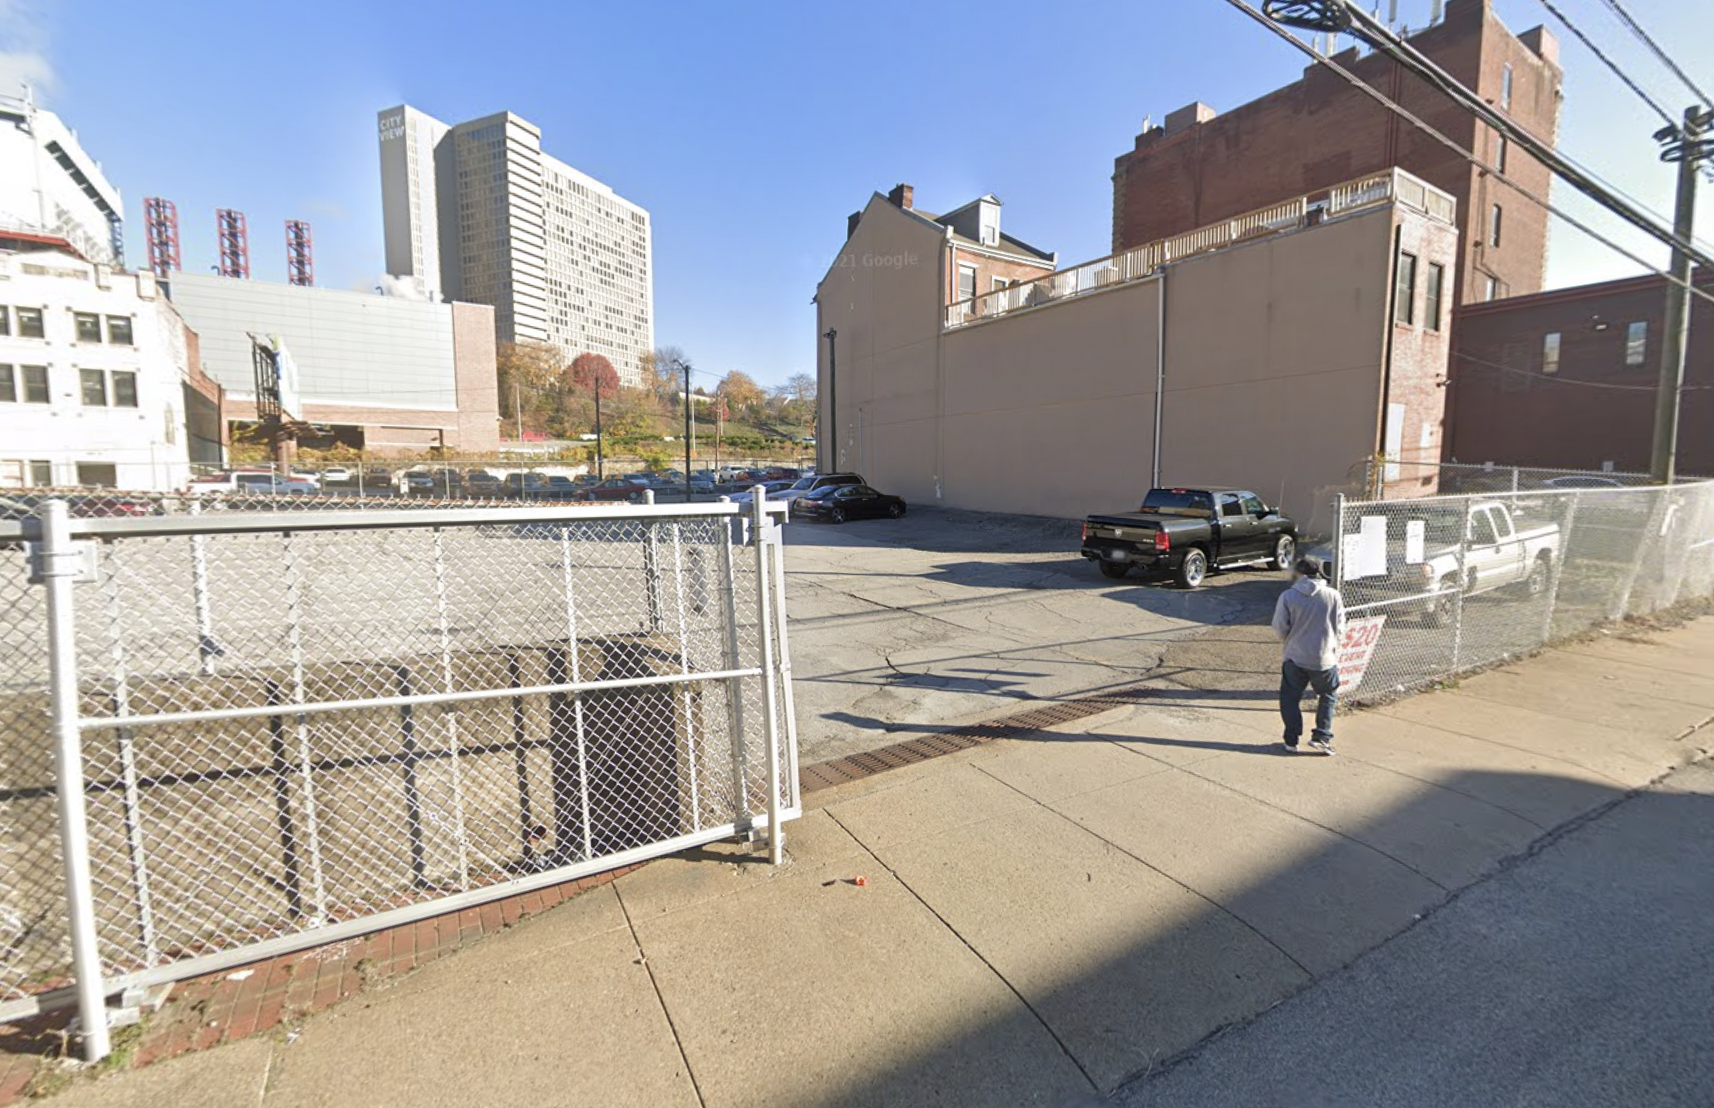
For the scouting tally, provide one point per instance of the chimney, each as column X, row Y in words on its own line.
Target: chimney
column 1188, row 116
column 851, row 222
column 901, row 196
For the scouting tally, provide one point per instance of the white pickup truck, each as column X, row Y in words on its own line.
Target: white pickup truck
column 1499, row 555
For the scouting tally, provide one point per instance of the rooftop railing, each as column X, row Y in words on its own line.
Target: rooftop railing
column 1393, row 186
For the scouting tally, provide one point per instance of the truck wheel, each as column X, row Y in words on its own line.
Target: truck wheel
column 1115, row 570
column 1439, row 610
column 1192, row 570
column 1285, row 548
column 1536, row 583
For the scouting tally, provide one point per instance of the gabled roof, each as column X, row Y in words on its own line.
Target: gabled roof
column 1008, row 244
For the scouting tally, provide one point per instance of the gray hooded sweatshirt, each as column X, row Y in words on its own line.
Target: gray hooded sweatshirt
column 1310, row 619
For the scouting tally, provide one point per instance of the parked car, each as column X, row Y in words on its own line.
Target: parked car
column 772, row 489
column 268, row 484
column 561, row 487
column 336, row 475
column 1501, row 555
column 525, row 484
column 806, row 485
column 1572, row 481
column 838, row 503
column 1188, row 532
column 614, row 488
column 84, row 506
column 479, row 482
column 227, row 480
column 416, row 482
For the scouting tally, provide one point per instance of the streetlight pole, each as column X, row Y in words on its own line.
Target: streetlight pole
column 1688, row 146
column 687, row 432
column 832, row 396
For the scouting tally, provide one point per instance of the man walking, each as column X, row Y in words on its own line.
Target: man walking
column 1310, row 620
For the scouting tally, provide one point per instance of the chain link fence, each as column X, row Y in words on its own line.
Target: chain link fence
column 1437, row 585
column 299, row 726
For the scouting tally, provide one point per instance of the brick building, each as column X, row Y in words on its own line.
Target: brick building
column 1566, row 379
column 984, row 258
column 1202, row 167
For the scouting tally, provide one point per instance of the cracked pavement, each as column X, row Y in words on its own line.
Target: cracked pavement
column 904, row 627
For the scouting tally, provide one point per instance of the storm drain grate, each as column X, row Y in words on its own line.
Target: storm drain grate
column 855, row 767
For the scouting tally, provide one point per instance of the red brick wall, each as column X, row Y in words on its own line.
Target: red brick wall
column 1417, row 366
column 1505, row 409
column 988, row 268
column 1319, row 132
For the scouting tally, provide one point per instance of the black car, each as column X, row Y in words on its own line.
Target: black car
column 838, row 503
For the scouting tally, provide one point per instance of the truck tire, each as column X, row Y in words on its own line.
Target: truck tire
column 1115, row 570
column 1439, row 610
column 1285, row 549
column 1540, row 575
column 1192, row 570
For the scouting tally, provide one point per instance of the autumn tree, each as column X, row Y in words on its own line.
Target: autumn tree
column 663, row 372
column 740, row 390
column 527, row 373
column 592, row 373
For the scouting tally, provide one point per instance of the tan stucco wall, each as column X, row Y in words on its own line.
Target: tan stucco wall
column 1274, row 364
column 1273, row 376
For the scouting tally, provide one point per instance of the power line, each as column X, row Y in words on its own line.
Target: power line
column 1610, row 64
column 1392, row 106
column 1555, row 379
column 1636, row 28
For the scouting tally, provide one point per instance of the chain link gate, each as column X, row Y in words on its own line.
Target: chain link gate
column 297, row 727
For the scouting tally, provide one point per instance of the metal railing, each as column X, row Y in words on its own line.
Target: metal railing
column 1142, row 261
column 292, row 728
column 1438, row 585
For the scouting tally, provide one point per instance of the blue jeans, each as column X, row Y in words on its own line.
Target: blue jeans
column 1294, row 680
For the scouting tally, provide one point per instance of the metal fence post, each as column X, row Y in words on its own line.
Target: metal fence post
column 1565, row 538
column 1459, row 586
column 1339, row 539
column 735, row 692
column 788, row 709
column 770, row 708
column 59, row 569
column 207, row 648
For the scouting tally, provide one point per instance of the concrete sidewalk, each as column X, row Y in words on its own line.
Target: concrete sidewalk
column 1041, row 921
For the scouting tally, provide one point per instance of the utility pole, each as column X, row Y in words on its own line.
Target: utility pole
column 689, row 429
column 1689, row 147
column 518, row 409
column 832, row 399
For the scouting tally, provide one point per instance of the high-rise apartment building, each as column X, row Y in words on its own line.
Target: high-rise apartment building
column 51, row 190
column 1204, row 166
column 476, row 211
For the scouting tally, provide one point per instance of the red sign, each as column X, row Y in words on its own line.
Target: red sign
column 1356, row 648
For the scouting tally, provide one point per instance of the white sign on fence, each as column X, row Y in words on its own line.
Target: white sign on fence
column 1356, row 648
column 1416, row 530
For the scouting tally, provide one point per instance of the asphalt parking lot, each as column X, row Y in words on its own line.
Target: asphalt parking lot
column 903, row 627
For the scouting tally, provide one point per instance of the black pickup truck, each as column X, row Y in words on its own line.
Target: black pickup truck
column 1190, row 531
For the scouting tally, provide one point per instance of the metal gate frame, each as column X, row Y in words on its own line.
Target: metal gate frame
column 65, row 555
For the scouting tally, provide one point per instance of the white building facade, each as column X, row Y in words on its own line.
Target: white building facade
column 477, row 212
column 50, row 188
column 93, row 365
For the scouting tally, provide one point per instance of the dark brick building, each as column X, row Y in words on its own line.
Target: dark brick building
column 1203, row 167
column 1567, row 379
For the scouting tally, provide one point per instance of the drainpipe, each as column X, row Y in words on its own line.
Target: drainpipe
column 1379, row 483
column 1160, row 373
column 940, row 368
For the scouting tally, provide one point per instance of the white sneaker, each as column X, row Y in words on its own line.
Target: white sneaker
column 1324, row 746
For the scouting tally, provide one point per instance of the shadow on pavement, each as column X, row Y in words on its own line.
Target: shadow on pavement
column 1107, row 1012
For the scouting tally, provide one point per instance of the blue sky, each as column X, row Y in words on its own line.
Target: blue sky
column 749, row 131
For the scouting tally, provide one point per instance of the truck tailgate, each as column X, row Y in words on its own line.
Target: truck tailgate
column 1129, row 527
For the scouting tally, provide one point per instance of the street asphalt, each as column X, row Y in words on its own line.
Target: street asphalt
column 1580, row 977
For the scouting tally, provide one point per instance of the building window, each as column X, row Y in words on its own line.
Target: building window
column 103, row 474
column 124, row 389
column 88, row 326
column 1490, row 287
column 119, row 330
column 41, row 474
column 94, row 388
column 5, row 320
column 1433, row 289
column 966, row 281
column 1404, row 290
column 24, row 384
column 1550, row 352
column 1636, row 343
column 1495, row 216
column 1506, row 87
column 30, row 323
column 1500, row 152
column 998, row 283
